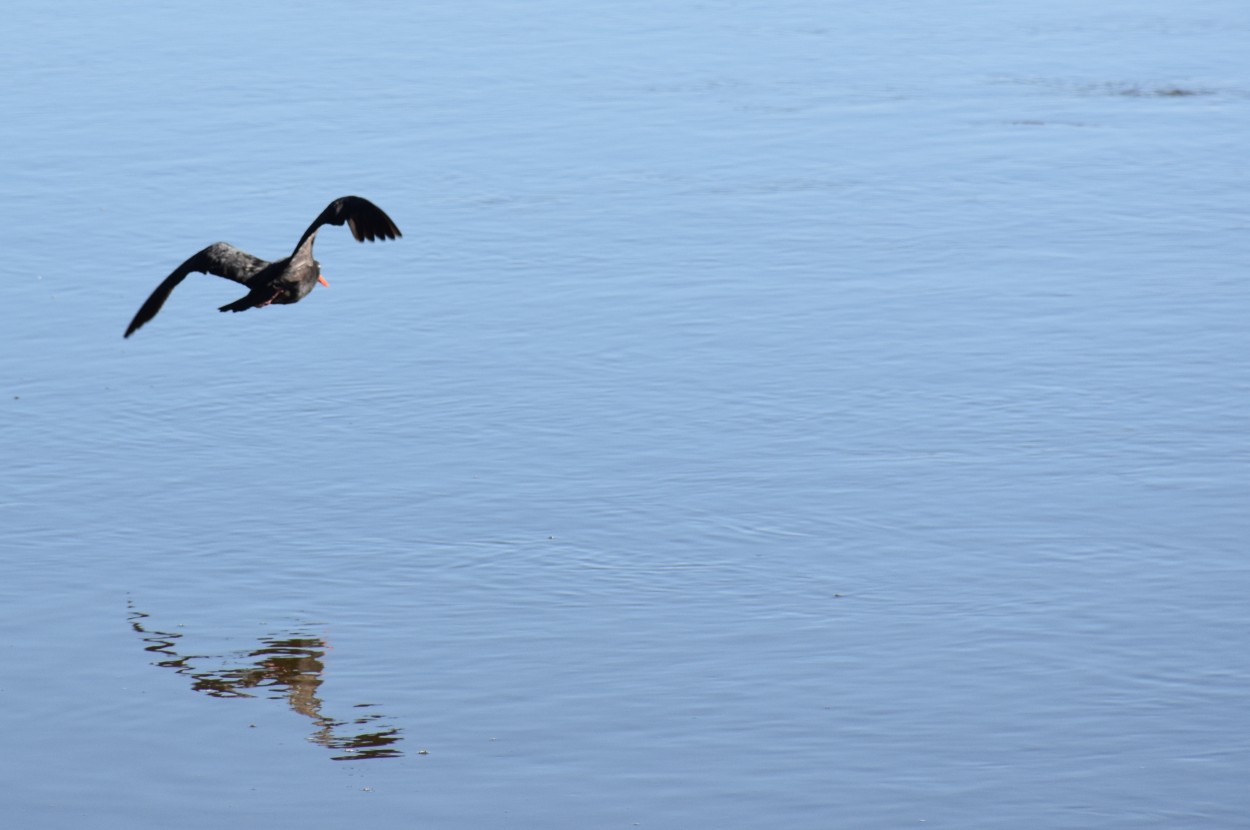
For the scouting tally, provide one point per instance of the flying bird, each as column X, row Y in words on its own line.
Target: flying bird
column 285, row 281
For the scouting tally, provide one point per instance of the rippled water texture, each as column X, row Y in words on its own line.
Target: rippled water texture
column 775, row 414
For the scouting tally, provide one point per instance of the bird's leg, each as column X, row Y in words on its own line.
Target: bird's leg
column 277, row 293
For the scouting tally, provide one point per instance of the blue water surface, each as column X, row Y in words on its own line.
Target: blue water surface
column 775, row 414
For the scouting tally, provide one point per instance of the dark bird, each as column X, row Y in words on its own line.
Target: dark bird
column 286, row 281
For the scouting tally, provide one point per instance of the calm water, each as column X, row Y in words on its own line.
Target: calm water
column 775, row 414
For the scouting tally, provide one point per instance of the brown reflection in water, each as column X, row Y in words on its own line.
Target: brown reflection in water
column 286, row 667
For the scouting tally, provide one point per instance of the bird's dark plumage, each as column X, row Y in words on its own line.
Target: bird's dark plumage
column 285, row 281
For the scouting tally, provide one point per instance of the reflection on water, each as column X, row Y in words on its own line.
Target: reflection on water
column 287, row 667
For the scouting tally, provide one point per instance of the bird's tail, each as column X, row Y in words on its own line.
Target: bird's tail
column 241, row 304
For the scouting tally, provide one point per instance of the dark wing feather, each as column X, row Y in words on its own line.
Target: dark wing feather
column 220, row 259
column 366, row 220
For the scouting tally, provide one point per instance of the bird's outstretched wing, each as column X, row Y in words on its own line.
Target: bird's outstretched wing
column 366, row 220
column 220, row 258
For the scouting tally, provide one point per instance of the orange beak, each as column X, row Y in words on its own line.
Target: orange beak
column 322, row 280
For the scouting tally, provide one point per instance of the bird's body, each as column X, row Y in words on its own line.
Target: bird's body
column 282, row 282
